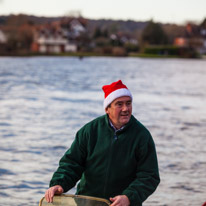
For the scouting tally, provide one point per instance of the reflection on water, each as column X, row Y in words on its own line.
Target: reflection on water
column 45, row 100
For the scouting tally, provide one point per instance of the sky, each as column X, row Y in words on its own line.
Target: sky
column 172, row 11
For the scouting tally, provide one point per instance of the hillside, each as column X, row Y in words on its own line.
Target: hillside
column 103, row 24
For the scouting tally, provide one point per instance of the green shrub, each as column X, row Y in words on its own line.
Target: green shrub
column 171, row 50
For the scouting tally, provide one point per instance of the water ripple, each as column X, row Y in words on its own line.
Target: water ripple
column 5, row 172
column 45, row 100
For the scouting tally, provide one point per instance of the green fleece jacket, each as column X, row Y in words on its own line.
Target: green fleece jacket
column 108, row 163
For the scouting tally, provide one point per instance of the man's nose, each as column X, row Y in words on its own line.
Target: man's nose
column 125, row 107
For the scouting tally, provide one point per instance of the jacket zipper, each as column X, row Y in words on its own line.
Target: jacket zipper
column 109, row 162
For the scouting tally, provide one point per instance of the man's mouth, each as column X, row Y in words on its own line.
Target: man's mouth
column 124, row 115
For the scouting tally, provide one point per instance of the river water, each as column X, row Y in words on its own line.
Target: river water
column 45, row 100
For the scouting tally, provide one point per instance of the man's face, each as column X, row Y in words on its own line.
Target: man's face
column 120, row 111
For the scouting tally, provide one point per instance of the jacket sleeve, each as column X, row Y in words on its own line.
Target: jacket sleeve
column 71, row 165
column 147, row 174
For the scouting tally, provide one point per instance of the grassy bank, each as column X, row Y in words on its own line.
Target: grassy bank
column 93, row 54
column 142, row 55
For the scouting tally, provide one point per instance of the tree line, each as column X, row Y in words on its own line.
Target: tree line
column 20, row 29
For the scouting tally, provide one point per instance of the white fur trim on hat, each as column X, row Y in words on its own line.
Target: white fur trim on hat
column 116, row 94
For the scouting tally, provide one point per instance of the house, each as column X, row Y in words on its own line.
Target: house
column 195, row 38
column 52, row 41
column 3, row 38
column 124, row 38
column 58, row 37
column 181, row 42
column 3, row 41
column 76, row 28
column 203, row 35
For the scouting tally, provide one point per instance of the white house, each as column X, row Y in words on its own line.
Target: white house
column 58, row 37
column 76, row 28
column 3, row 38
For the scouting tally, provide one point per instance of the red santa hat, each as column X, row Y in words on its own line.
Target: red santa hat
column 114, row 91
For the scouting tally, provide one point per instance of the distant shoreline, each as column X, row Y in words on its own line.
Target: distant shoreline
column 91, row 54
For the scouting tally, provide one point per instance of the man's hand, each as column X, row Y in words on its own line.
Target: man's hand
column 120, row 200
column 49, row 194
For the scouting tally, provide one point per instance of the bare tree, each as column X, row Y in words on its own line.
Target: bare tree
column 73, row 13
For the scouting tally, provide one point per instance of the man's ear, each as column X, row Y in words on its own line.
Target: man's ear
column 106, row 110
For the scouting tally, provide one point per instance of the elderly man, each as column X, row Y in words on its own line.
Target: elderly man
column 113, row 156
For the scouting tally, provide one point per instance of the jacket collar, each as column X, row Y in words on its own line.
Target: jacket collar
column 123, row 128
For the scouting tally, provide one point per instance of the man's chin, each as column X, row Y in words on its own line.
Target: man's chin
column 125, row 120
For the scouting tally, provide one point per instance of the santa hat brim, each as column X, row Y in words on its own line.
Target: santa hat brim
column 116, row 94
